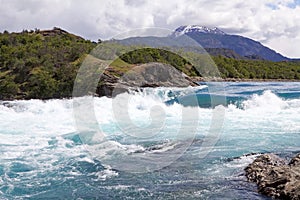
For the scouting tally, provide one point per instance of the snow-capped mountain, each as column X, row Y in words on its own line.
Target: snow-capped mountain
column 181, row 30
column 209, row 38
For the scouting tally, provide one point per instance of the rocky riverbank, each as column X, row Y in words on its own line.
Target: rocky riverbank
column 276, row 177
column 145, row 75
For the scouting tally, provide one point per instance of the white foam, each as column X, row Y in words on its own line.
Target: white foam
column 104, row 174
column 26, row 127
column 265, row 113
column 267, row 102
column 242, row 162
column 35, row 116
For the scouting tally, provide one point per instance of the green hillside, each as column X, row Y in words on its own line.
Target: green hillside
column 43, row 64
column 40, row 64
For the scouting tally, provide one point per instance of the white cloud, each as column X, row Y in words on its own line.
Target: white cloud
column 273, row 22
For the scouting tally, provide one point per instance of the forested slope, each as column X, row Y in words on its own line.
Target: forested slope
column 44, row 64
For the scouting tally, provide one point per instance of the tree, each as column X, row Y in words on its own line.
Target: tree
column 41, row 84
column 8, row 88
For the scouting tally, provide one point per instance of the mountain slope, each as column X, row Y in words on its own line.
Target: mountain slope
column 193, row 35
column 241, row 45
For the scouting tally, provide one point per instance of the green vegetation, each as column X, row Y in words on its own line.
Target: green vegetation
column 228, row 67
column 147, row 55
column 44, row 64
column 40, row 64
column 257, row 69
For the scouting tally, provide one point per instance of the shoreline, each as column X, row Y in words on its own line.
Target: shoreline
column 196, row 80
column 217, row 79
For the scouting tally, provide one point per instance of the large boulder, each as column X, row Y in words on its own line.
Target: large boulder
column 144, row 75
column 276, row 177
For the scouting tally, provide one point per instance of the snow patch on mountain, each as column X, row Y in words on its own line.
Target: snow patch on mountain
column 196, row 29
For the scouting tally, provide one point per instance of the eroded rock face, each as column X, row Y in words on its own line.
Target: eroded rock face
column 275, row 177
column 145, row 75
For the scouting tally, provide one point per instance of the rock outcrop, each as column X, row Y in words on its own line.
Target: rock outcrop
column 275, row 177
column 145, row 75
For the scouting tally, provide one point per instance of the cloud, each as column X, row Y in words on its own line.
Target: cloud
column 275, row 23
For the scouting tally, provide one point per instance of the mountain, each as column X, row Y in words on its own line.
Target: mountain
column 181, row 30
column 241, row 45
column 209, row 38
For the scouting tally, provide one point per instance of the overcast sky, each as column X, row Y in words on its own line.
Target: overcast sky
column 275, row 23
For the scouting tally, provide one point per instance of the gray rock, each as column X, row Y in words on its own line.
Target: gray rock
column 274, row 177
column 295, row 161
column 145, row 75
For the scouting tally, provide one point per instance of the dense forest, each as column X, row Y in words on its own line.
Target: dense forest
column 44, row 64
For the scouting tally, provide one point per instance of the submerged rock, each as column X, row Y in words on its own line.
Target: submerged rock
column 275, row 177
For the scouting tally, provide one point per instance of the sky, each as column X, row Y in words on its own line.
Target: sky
column 274, row 23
